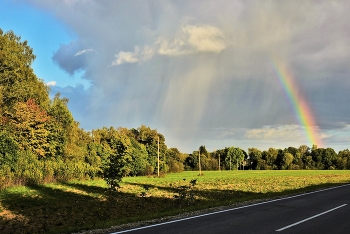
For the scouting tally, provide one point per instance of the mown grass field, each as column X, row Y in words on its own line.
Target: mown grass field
column 81, row 205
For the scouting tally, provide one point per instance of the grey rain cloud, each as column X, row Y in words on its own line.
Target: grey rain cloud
column 203, row 69
column 71, row 58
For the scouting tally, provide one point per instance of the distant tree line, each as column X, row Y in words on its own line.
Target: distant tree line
column 291, row 158
column 41, row 142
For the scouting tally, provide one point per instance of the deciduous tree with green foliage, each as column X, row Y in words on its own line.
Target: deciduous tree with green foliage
column 119, row 159
column 18, row 83
column 175, row 160
column 149, row 137
column 235, row 157
column 28, row 125
column 270, row 157
column 255, row 158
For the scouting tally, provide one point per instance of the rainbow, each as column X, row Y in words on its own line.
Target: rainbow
column 299, row 104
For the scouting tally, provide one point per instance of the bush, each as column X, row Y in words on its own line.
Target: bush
column 185, row 192
column 175, row 166
column 6, row 177
column 29, row 169
column 148, row 170
column 8, row 150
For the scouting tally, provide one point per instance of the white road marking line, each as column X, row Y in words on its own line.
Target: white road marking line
column 236, row 208
column 304, row 220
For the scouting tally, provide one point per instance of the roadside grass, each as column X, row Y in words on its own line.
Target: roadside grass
column 82, row 205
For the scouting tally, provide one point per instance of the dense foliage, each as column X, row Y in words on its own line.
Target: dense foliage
column 41, row 142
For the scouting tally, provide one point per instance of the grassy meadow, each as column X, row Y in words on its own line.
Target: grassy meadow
column 82, row 205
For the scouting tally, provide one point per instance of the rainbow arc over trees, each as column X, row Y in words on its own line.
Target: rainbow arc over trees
column 300, row 106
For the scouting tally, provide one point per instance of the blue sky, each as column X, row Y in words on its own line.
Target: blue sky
column 199, row 72
column 45, row 34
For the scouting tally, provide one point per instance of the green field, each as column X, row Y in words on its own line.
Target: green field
column 81, row 205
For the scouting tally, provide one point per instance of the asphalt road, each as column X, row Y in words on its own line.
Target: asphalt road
column 323, row 211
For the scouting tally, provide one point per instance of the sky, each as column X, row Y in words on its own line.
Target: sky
column 261, row 74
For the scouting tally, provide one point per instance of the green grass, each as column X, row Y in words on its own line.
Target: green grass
column 81, row 205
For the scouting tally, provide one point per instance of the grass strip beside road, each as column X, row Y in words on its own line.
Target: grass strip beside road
column 82, row 205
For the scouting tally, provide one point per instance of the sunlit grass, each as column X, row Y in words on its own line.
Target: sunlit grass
column 76, row 205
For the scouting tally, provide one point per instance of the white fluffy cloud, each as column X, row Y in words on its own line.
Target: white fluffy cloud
column 125, row 57
column 133, row 57
column 205, row 38
column 192, row 39
column 51, row 83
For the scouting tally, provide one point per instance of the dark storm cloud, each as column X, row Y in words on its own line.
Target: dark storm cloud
column 72, row 57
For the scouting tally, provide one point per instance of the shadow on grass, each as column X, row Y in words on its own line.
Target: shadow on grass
column 227, row 197
column 53, row 210
column 90, row 189
column 152, row 186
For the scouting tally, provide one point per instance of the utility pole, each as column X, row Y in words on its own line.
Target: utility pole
column 158, row 156
column 219, row 162
column 199, row 161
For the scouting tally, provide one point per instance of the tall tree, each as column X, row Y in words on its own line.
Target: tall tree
column 69, row 135
column 287, row 159
column 270, row 157
column 203, row 150
column 149, row 137
column 139, row 164
column 18, row 83
column 329, row 159
column 297, row 157
column 28, row 125
column 235, row 156
column 59, row 110
column 255, row 158
column 317, row 156
column 343, row 160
